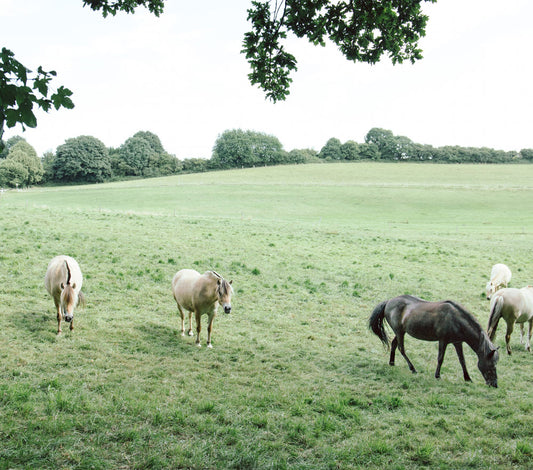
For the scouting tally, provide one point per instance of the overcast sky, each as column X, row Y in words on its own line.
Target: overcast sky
column 182, row 77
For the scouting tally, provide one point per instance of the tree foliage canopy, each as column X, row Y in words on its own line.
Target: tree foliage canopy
column 83, row 158
column 21, row 89
column 143, row 154
column 113, row 6
column 25, row 154
column 363, row 30
column 237, row 148
column 12, row 173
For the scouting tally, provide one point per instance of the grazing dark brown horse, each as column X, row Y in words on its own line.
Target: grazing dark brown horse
column 446, row 322
column 201, row 294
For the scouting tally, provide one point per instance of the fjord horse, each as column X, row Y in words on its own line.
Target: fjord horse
column 500, row 276
column 446, row 322
column 514, row 306
column 201, row 294
column 63, row 281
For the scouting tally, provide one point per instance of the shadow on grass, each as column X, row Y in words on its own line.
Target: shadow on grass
column 165, row 337
column 40, row 325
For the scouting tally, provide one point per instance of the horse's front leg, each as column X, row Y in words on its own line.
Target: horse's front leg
column 198, row 327
column 460, row 355
column 59, row 317
column 210, row 328
column 508, row 337
column 190, row 333
column 528, row 341
column 182, row 319
column 440, row 358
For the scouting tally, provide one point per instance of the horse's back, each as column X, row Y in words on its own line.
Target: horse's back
column 432, row 321
column 56, row 273
column 501, row 271
column 183, row 284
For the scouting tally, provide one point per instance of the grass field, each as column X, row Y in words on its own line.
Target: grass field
column 295, row 379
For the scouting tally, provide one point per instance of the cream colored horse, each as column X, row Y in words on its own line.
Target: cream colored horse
column 201, row 294
column 500, row 276
column 514, row 306
column 63, row 281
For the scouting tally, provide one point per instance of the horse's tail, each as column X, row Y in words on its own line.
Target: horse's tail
column 494, row 318
column 81, row 299
column 68, row 273
column 375, row 323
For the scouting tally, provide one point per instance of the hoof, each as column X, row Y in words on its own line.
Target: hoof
column 183, row 333
column 198, row 345
column 190, row 333
column 210, row 346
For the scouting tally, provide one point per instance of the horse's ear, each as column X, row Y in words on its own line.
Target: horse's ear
column 491, row 354
column 62, row 285
column 231, row 282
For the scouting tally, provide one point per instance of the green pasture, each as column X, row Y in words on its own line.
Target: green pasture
column 295, row 379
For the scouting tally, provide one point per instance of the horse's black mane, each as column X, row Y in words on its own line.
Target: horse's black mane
column 484, row 340
column 468, row 316
column 68, row 273
column 224, row 285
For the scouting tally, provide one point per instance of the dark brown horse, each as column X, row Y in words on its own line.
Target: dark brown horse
column 446, row 322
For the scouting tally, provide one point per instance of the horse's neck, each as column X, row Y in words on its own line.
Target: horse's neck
column 481, row 344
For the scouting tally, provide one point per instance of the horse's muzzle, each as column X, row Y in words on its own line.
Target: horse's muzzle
column 68, row 318
column 227, row 309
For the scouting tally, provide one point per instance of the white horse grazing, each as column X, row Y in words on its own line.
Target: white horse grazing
column 500, row 276
column 514, row 306
column 201, row 294
column 63, row 282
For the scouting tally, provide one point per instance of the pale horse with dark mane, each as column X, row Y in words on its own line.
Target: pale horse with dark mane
column 201, row 294
column 514, row 306
column 63, row 281
column 446, row 322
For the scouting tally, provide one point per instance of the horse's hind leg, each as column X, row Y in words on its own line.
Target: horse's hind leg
column 460, row 355
column 521, row 333
column 401, row 347
column 394, row 345
column 440, row 358
column 508, row 337
column 190, row 333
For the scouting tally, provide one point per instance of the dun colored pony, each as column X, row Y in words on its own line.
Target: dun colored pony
column 513, row 305
column 446, row 322
column 500, row 276
column 201, row 294
column 63, row 281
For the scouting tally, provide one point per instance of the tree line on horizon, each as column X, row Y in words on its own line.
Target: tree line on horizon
column 86, row 159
